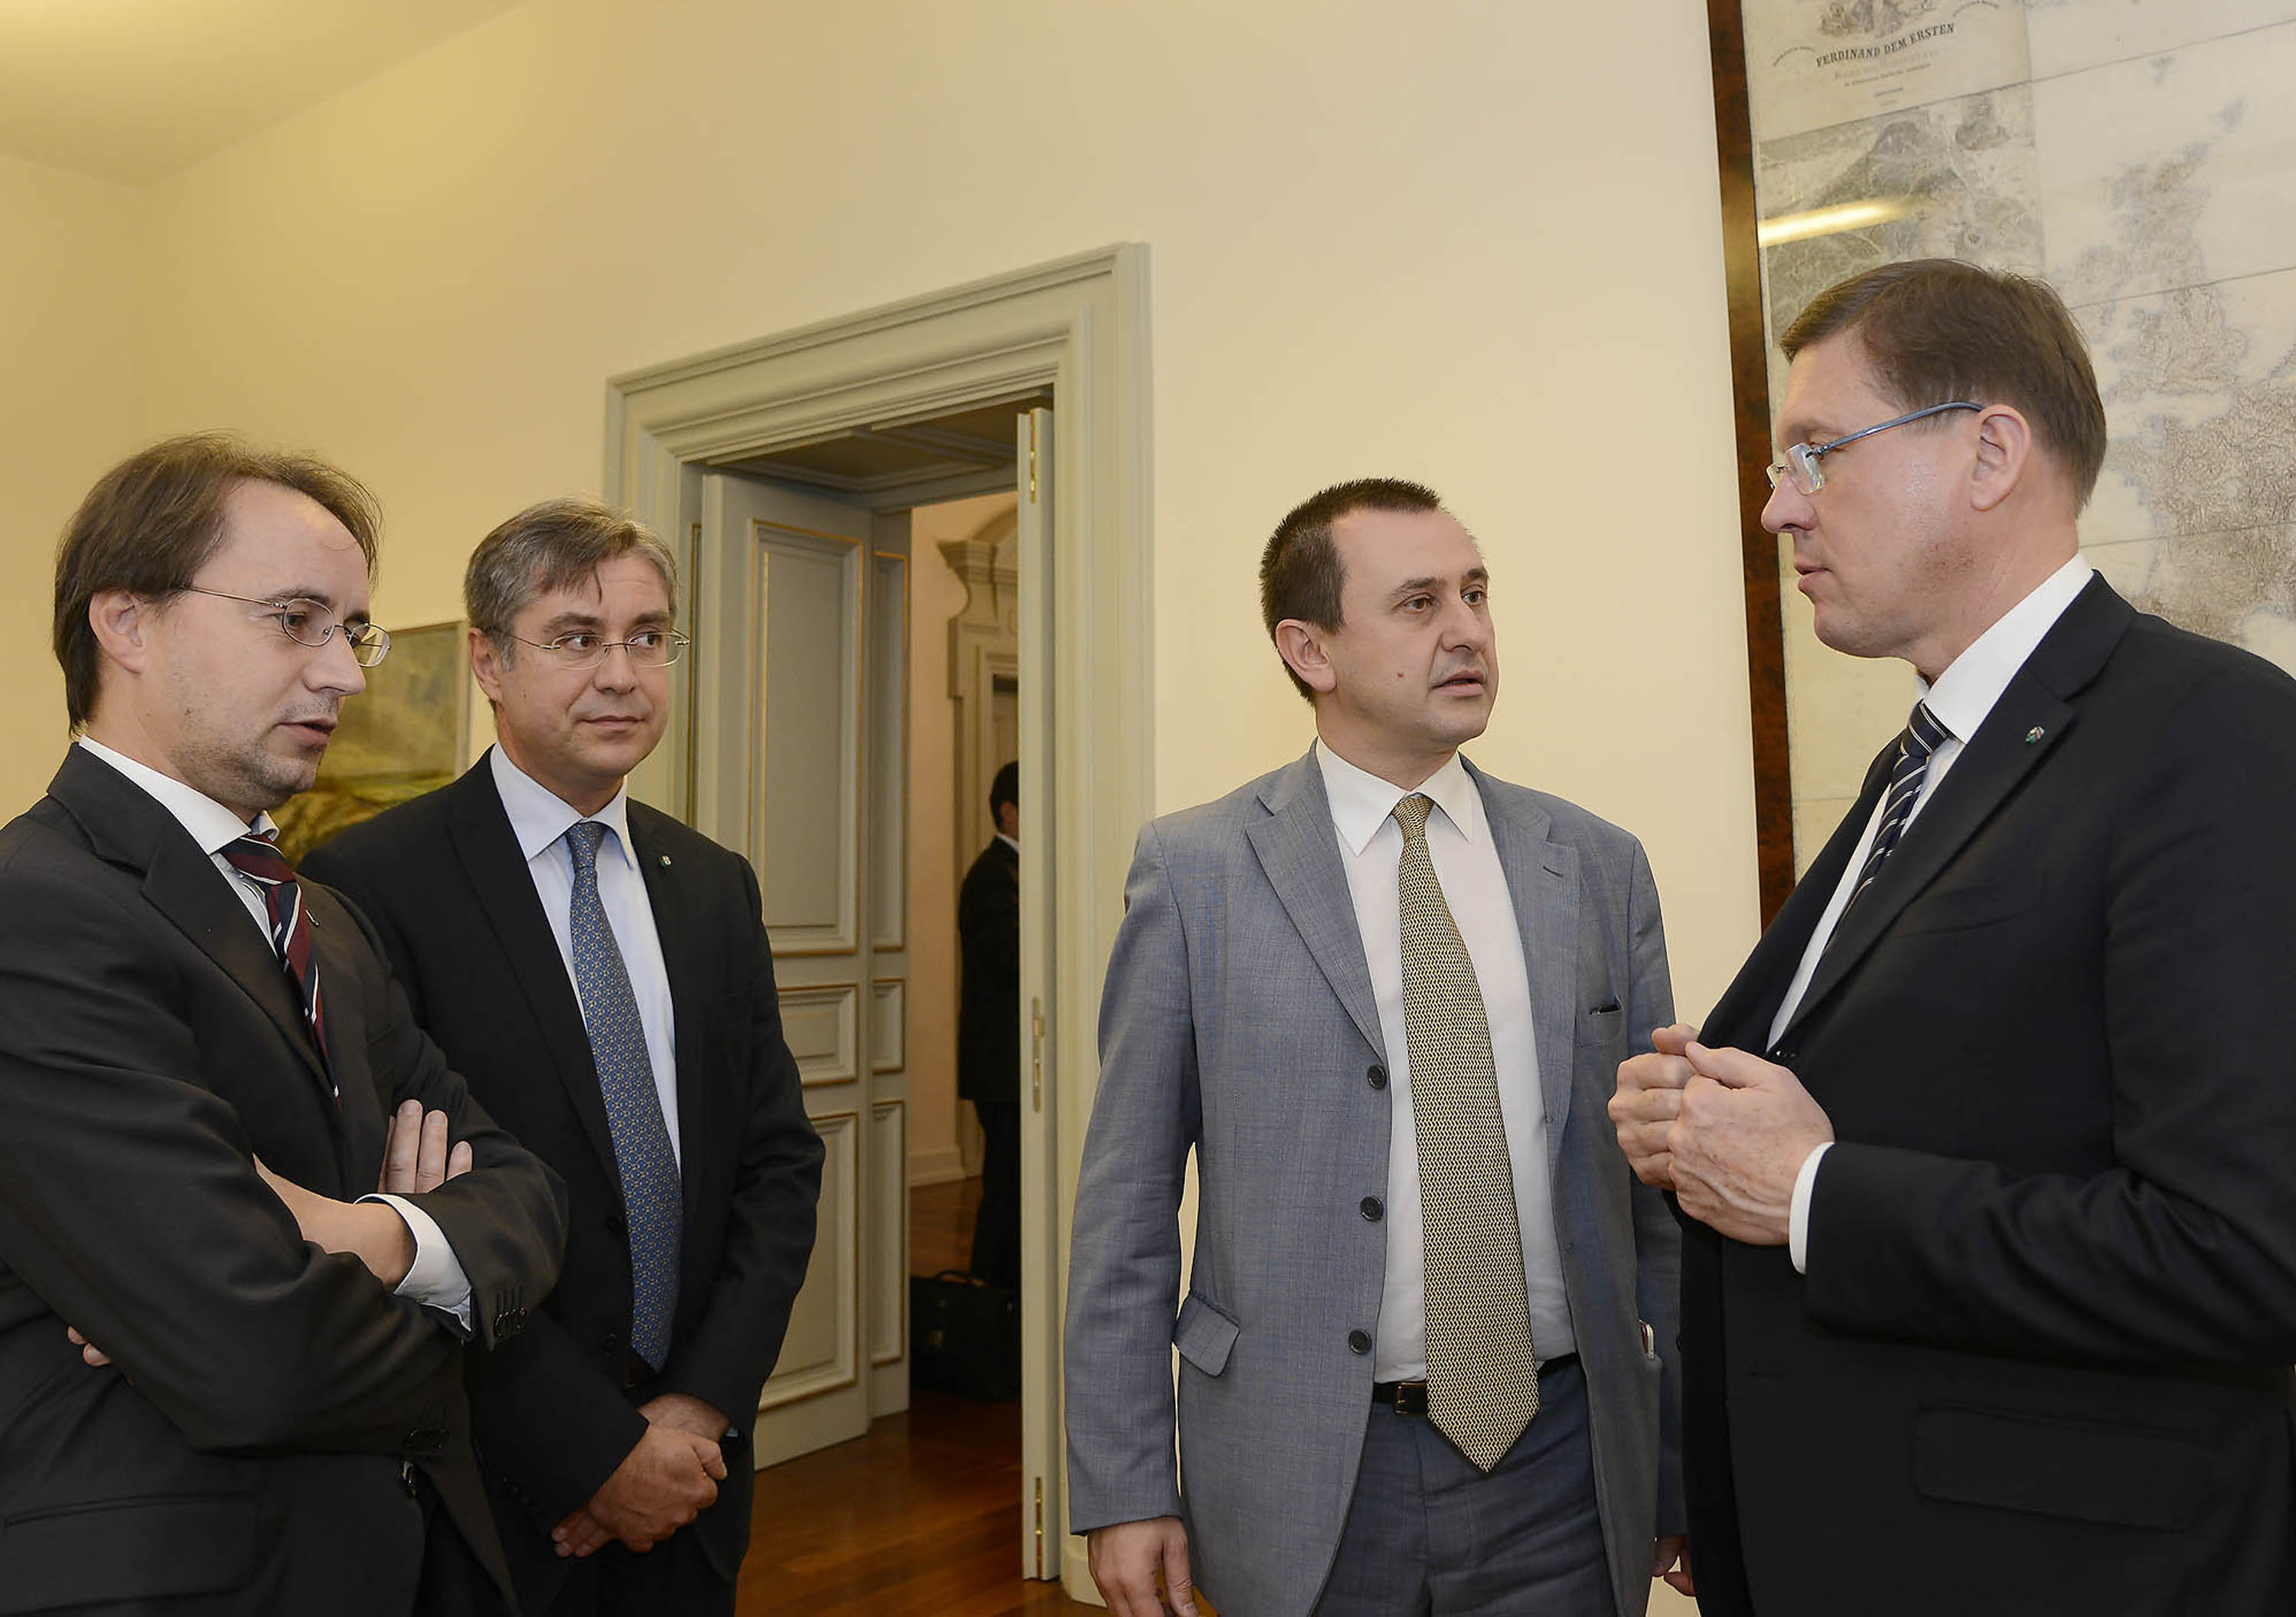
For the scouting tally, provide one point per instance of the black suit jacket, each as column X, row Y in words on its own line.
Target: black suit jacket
column 2040, row 1362
column 451, row 896
column 988, row 1011
column 248, row 1450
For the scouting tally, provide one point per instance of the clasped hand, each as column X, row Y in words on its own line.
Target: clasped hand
column 665, row 1482
column 1726, row 1131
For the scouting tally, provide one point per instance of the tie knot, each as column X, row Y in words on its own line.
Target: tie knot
column 582, row 840
column 1411, row 814
column 1923, row 734
column 256, row 856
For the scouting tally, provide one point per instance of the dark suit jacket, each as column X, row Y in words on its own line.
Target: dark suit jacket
column 465, row 929
column 245, row 1453
column 2040, row 1362
column 988, row 1013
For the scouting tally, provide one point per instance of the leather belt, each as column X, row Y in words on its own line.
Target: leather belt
column 1410, row 1397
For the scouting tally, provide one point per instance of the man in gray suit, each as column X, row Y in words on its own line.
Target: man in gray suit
column 1426, row 1355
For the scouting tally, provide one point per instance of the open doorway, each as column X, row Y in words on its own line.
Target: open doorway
column 692, row 446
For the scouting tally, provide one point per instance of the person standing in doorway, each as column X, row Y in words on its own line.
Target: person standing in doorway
column 1427, row 1347
column 988, row 1031
column 602, row 975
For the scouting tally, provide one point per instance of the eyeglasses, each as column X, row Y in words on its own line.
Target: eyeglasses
column 1801, row 460
column 651, row 648
column 310, row 623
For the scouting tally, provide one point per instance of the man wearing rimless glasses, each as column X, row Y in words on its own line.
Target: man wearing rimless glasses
column 204, row 1069
column 1982, row 1160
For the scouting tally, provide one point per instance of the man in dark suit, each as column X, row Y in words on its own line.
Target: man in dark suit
column 601, row 974
column 203, row 1065
column 988, row 1030
column 1988, row 1298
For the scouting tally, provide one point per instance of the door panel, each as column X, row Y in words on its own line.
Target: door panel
column 793, row 761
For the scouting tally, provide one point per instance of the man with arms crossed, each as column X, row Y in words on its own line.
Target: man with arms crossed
column 203, row 1065
column 1426, row 1349
column 1989, row 1278
column 601, row 974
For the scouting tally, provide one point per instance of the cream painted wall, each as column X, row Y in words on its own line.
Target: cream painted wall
column 1474, row 245
column 71, row 301
column 935, row 596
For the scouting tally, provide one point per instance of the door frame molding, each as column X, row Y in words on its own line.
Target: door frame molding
column 1079, row 324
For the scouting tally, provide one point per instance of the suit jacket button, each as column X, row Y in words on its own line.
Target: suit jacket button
column 1785, row 1057
column 1376, row 1076
column 1358, row 1341
column 1372, row 1210
column 617, row 1225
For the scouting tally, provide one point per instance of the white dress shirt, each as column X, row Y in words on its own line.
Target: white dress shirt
column 1960, row 701
column 1467, row 864
column 437, row 1279
column 539, row 819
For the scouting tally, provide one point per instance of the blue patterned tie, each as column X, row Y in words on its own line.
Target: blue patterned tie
column 1923, row 735
column 649, row 1167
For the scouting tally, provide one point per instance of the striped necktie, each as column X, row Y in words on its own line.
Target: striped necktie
column 257, row 857
column 651, row 1200
column 1922, row 736
column 1482, row 1377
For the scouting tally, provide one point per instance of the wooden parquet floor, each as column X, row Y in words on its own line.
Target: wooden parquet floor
column 923, row 1513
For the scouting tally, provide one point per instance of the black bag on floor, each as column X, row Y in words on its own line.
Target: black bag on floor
column 965, row 1338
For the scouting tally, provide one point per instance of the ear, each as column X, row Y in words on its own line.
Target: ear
column 123, row 621
column 487, row 665
column 1303, row 651
column 2005, row 457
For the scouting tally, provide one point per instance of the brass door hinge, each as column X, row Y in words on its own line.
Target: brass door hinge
column 1037, row 1056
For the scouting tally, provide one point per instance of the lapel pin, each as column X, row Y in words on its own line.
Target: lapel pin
column 665, row 861
column 2031, row 736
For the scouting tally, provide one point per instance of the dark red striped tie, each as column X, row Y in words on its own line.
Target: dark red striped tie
column 257, row 858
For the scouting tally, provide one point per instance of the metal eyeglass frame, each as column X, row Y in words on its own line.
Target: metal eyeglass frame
column 1802, row 459
column 370, row 643
column 673, row 647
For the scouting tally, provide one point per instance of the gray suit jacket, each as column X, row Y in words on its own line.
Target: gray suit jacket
column 1238, row 1020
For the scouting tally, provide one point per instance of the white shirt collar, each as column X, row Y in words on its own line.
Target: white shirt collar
column 212, row 825
column 1966, row 693
column 1362, row 802
column 538, row 817
column 1011, row 842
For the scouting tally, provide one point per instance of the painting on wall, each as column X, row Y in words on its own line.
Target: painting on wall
column 405, row 736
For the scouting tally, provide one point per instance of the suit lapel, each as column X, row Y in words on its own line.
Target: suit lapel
column 1542, row 880
column 127, row 827
column 1301, row 853
column 682, row 960
column 497, row 871
column 1744, row 1015
column 2024, row 727
column 343, row 959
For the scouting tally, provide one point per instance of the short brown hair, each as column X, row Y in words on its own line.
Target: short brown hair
column 1300, row 573
column 1938, row 328
column 150, row 523
column 551, row 545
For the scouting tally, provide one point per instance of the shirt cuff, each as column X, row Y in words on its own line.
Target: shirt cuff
column 1798, row 1218
column 437, row 1279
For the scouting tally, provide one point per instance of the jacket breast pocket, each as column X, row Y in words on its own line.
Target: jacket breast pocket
column 1204, row 1336
column 2121, row 1475
column 1966, row 907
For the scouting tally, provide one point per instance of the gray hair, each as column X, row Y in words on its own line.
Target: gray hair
column 551, row 545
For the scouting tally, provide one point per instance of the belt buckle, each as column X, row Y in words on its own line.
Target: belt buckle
column 1411, row 1398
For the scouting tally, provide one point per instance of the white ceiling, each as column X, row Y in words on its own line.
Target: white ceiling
column 134, row 90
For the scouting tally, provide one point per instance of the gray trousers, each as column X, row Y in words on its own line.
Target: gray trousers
column 1428, row 1535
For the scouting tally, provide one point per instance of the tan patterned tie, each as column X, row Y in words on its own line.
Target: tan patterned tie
column 1482, row 1380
